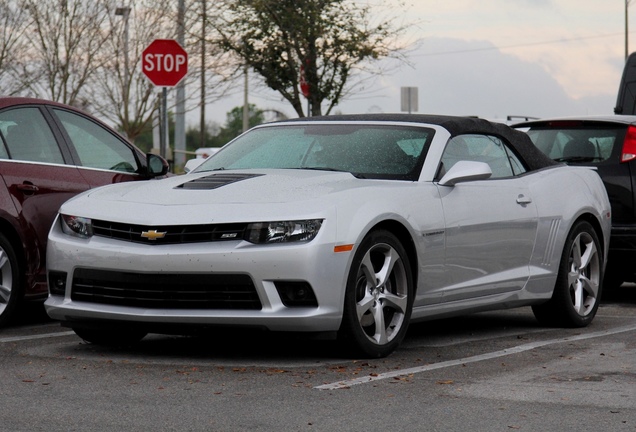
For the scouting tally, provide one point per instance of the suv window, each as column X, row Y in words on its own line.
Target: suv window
column 483, row 148
column 27, row 137
column 97, row 147
column 576, row 144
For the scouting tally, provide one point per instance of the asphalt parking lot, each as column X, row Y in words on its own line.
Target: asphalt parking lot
column 496, row 371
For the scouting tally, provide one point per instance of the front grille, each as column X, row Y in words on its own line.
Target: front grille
column 168, row 234
column 169, row 291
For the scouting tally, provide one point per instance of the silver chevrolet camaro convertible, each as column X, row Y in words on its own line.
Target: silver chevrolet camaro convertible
column 351, row 226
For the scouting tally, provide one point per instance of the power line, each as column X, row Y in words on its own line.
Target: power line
column 518, row 45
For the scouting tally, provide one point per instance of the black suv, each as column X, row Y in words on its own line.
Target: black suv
column 609, row 144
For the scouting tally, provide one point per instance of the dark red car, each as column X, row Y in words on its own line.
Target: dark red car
column 50, row 152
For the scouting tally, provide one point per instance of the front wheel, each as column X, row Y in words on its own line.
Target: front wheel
column 378, row 297
column 10, row 281
column 577, row 291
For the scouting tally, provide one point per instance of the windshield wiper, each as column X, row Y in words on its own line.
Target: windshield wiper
column 356, row 175
column 323, row 169
column 576, row 159
column 207, row 170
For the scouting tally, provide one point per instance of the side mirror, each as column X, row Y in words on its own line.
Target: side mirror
column 157, row 166
column 464, row 171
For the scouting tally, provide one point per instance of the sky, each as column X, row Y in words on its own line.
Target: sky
column 492, row 59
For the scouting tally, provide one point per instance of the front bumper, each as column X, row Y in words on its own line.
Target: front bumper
column 267, row 266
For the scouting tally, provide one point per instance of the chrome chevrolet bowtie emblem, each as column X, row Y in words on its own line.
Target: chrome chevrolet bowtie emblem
column 153, row 234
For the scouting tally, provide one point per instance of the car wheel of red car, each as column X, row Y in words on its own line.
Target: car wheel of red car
column 10, row 280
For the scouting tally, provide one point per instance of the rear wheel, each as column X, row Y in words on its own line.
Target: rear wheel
column 10, row 281
column 577, row 292
column 378, row 297
column 110, row 337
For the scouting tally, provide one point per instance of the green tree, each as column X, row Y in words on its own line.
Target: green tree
column 233, row 127
column 234, row 122
column 144, row 139
column 328, row 39
column 193, row 136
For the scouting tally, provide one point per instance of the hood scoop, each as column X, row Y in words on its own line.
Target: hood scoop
column 214, row 181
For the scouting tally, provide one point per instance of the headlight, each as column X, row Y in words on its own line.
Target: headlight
column 283, row 231
column 77, row 226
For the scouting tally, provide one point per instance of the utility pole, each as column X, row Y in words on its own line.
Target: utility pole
column 203, row 24
column 627, row 2
column 246, row 109
column 179, row 125
column 124, row 12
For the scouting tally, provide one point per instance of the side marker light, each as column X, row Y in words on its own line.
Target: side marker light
column 343, row 248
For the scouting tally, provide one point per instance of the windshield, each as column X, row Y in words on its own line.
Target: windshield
column 366, row 151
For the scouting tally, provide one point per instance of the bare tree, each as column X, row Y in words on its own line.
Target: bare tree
column 65, row 39
column 123, row 94
column 213, row 72
column 13, row 23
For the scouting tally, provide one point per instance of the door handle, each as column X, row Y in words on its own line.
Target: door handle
column 523, row 200
column 27, row 188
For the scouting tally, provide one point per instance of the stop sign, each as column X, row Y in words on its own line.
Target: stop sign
column 164, row 62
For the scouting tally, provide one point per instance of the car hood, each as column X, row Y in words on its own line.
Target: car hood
column 222, row 195
column 249, row 186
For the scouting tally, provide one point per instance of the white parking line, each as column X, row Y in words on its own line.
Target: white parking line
column 40, row 336
column 473, row 359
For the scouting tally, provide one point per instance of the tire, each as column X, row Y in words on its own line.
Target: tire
column 377, row 305
column 577, row 292
column 110, row 337
column 11, row 289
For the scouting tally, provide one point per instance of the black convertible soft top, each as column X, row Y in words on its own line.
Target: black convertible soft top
column 456, row 125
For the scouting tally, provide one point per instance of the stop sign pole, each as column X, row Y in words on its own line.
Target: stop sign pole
column 165, row 64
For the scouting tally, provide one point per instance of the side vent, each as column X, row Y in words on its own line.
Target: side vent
column 551, row 243
column 216, row 181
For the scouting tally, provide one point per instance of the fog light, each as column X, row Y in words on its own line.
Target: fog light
column 296, row 294
column 57, row 283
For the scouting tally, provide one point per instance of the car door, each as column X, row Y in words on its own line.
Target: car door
column 38, row 180
column 490, row 225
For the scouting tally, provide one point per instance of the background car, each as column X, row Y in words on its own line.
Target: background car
column 607, row 143
column 346, row 225
column 50, row 152
column 205, row 152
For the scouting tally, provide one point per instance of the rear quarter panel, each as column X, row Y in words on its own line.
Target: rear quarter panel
column 564, row 195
